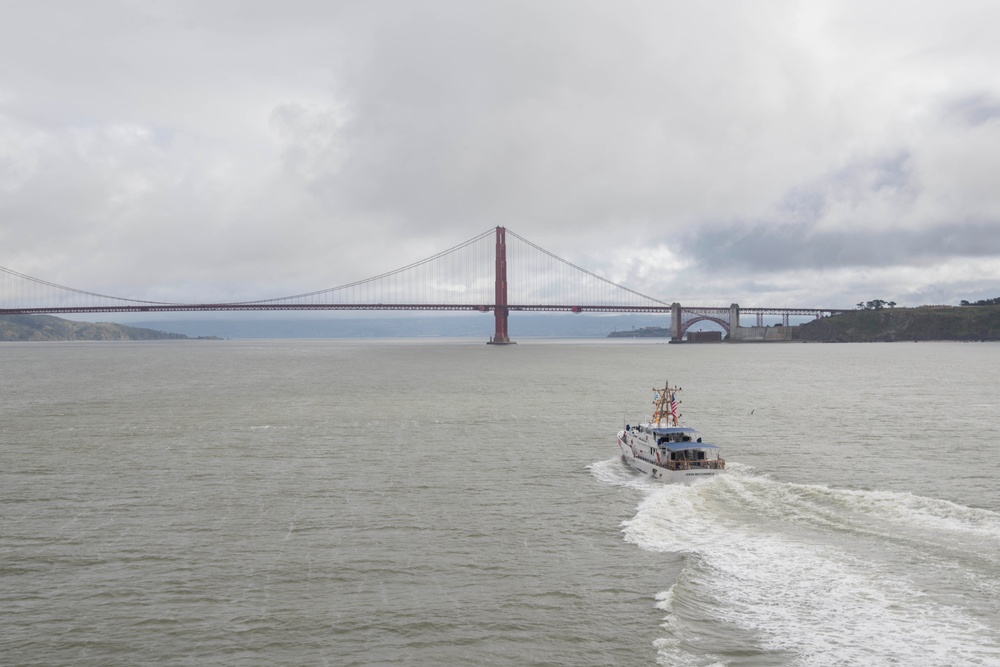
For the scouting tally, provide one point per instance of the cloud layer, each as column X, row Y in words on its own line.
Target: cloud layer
column 786, row 153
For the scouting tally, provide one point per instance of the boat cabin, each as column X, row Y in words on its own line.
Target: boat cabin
column 676, row 447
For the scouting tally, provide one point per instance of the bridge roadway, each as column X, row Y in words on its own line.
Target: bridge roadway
column 681, row 317
column 172, row 307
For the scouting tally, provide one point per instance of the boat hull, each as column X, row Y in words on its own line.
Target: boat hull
column 662, row 473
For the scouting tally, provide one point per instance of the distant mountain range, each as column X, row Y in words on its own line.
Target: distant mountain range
column 471, row 325
column 47, row 327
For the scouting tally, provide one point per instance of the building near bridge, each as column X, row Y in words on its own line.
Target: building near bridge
column 761, row 334
column 704, row 337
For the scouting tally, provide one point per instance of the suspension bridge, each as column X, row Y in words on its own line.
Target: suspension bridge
column 498, row 271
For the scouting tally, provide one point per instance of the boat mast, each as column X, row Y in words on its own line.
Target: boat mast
column 664, row 405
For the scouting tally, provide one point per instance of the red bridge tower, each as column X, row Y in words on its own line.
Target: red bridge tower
column 500, row 311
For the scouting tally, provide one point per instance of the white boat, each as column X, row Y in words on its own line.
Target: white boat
column 667, row 450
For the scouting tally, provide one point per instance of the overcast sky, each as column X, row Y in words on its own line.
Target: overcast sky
column 768, row 153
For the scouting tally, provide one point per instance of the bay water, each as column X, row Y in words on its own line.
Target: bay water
column 445, row 502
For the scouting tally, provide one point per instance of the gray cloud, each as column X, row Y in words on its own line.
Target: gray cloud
column 249, row 148
column 975, row 109
column 760, row 248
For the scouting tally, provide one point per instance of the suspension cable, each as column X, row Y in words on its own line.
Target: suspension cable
column 84, row 292
column 583, row 270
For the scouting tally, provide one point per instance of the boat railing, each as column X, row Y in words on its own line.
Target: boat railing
column 714, row 464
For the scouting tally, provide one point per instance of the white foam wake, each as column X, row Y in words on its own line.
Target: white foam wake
column 810, row 575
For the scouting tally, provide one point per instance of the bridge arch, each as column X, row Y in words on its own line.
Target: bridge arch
column 702, row 318
column 681, row 319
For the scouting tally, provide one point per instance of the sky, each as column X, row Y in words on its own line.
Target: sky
column 773, row 154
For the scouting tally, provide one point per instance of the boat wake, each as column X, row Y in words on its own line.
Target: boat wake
column 778, row 573
column 615, row 472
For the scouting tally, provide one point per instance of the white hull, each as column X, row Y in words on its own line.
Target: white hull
column 690, row 473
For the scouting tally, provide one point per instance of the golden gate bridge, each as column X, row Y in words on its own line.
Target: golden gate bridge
column 498, row 271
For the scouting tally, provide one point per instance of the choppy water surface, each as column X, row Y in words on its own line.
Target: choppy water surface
column 449, row 502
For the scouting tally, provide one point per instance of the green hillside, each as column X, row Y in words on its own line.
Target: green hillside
column 47, row 327
column 968, row 323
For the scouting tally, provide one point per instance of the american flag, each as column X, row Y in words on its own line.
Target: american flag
column 673, row 405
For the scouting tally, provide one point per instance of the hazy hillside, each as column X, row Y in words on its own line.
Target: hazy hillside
column 47, row 327
column 972, row 323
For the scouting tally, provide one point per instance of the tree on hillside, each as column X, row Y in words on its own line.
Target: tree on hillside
column 875, row 304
